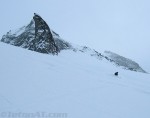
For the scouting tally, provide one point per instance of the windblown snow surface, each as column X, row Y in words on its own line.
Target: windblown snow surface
column 73, row 83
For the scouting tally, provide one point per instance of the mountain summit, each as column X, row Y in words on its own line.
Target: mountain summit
column 37, row 36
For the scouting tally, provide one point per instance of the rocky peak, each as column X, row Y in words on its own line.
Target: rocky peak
column 44, row 41
column 36, row 36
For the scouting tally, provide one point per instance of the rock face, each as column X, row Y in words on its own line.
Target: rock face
column 36, row 36
column 43, row 41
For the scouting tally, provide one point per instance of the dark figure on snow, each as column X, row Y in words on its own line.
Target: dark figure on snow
column 116, row 73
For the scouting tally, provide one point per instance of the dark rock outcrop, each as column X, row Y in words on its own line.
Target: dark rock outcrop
column 36, row 36
column 43, row 41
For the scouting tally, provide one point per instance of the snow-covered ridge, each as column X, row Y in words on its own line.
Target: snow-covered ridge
column 124, row 62
column 37, row 36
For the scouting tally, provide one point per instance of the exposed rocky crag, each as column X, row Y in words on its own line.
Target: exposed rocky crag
column 36, row 36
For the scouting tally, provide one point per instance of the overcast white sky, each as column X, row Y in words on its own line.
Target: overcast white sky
column 121, row 26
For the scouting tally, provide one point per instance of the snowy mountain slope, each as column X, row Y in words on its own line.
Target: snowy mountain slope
column 70, row 83
column 37, row 36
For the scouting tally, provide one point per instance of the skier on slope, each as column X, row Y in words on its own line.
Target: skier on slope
column 116, row 73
